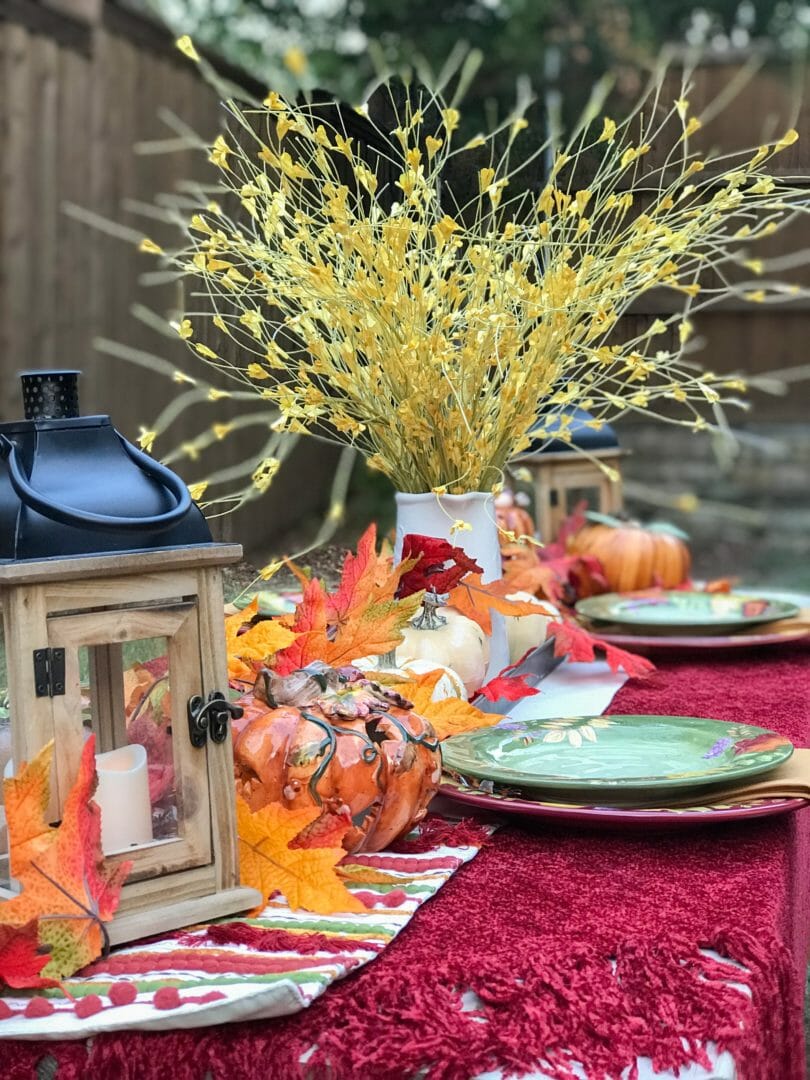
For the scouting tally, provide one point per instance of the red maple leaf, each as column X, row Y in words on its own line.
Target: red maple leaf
column 22, row 958
column 311, row 627
column 327, row 830
column 580, row 646
column 431, row 571
column 507, row 688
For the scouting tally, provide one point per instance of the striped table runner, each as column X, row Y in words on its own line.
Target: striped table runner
column 247, row 969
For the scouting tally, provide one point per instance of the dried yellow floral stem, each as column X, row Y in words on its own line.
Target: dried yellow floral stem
column 440, row 339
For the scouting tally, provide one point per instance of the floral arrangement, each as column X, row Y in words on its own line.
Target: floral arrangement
column 366, row 614
column 441, row 337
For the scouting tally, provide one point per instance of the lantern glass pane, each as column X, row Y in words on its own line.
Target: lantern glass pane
column 148, row 711
column 126, row 702
column 576, row 495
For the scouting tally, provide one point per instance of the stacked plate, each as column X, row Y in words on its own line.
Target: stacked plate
column 657, row 618
column 616, row 770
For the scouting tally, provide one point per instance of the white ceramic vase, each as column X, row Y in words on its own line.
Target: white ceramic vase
column 433, row 515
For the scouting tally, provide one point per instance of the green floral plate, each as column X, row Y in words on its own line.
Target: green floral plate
column 619, row 753
column 680, row 610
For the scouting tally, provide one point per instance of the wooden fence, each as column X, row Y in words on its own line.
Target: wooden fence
column 81, row 83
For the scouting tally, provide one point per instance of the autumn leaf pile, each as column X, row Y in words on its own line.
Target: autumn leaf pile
column 67, row 892
column 362, row 617
column 365, row 616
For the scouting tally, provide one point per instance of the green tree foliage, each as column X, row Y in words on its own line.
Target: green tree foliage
column 562, row 45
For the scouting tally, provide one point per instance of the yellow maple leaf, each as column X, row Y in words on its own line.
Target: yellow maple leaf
column 234, row 623
column 447, row 717
column 306, row 876
column 263, row 639
column 259, row 643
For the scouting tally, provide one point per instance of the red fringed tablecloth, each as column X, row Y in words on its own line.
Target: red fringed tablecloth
column 578, row 946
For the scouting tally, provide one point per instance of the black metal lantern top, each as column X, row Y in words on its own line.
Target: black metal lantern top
column 50, row 395
column 72, row 485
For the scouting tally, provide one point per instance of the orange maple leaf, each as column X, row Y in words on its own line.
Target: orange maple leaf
column 305, row 875
column 447, row 717
column 361, row 618
column 475, row 600
column 64, row 880
column 540, row 579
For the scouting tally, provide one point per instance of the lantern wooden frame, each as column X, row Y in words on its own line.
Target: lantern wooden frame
column 101, row 601
column 556, row 473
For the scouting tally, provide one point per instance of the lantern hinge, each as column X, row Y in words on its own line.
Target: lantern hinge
column 49, row 672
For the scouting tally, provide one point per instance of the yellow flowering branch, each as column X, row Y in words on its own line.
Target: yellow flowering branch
column 365, row 305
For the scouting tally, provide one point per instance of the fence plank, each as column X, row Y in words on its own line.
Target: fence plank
column 17, row 305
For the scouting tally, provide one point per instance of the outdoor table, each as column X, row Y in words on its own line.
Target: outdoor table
column 563, row 946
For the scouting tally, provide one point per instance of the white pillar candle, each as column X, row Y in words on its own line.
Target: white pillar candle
column 123, row 797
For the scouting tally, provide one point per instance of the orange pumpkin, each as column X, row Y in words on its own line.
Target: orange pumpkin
column 341, row 743
column 512, row 518
column 634, row 557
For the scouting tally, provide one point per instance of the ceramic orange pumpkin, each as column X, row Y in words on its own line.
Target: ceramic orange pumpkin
column 634, row 556
column 337, row 741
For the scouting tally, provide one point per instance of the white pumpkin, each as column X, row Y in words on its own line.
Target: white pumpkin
column 447, row 638
column 448, row 686
column 526, row 632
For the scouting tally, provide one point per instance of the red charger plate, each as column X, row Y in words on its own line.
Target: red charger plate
column 705, row 641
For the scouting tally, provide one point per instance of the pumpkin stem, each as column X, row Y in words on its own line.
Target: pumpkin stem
column 429, row 617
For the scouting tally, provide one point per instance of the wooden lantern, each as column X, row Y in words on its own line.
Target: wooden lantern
column 73, row 627
column 565, row 473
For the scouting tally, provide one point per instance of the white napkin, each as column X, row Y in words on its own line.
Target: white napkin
column 571, row 690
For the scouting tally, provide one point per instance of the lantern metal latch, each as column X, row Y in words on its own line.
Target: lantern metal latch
column 210, row 717
column 49, row 672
